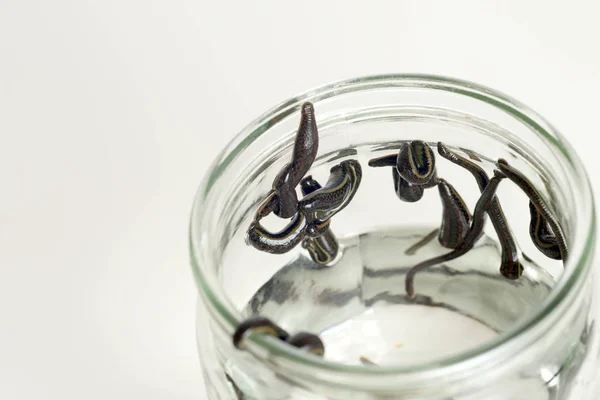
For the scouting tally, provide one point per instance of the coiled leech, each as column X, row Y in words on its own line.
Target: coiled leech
column 308, row 342
column 311, row 215
column 313, row 218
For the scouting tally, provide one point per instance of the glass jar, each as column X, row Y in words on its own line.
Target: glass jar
column 537, row 338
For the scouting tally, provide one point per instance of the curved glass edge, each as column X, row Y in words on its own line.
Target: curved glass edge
column 228, row 318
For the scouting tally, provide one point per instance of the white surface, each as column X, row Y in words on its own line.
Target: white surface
column 111, row 111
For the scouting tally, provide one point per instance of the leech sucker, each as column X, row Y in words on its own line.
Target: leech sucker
column 477, row 225
column 542, row 208
column 279, row 242
column 257, row 325
column 510, row 266
column 456, row 218
column 416, row 162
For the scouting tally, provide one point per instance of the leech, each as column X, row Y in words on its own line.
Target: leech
column 421, row 243
column 366, row 361
column 340, row 189
column 413, row 169
column 416, row 162
column 257, row 325
column 322, row 248
column 279, row 242
column 404, row 190
column 468, row 242
column 542, row 237
column 456, row 217
column 267, row 206
column 305, row 150
column 542, row 208
column 510, row 266
column 308, row 342
column 384, row 161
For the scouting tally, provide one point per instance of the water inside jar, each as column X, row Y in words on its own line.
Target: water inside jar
column 359, row 305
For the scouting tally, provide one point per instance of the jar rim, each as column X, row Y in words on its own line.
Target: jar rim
column 575, row 269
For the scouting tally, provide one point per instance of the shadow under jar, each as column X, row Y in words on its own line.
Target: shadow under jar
column 469, row 333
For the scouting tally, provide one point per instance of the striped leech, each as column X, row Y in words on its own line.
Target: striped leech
column 475, row 231
column 305, row 341
column 311, row 223
column 510, row 266
column 324, row 247
column 544, row 229
column 413, row 171
column 310, row 216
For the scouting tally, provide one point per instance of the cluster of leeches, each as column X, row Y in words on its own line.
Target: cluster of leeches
column 413, row 171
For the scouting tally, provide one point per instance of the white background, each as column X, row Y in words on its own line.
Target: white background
column 111, row 112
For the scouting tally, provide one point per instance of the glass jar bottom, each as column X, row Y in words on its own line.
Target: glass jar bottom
column 359, row 305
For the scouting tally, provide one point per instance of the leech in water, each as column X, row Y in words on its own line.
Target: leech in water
column 545, row 216
column 308, row 342
column 456, row 217
column 305, row 150
column 257, row 325
column 542, row 237
column 477, row 224
column 416, row 163
column 279, row 242
column 337, row 193
column 311, row 215
column 404, row 190
column 510, row 266
column 313, row 218
column 322, row 248
column 414, row 169
column 366, row 361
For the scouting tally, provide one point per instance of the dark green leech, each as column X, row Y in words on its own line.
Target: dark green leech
column 456, row 217
column 542, row 237
column 341, row 187
column 534, row 197
column 384, row 161
column 312, row 219
column 510, row 267
column 257, row 325
column 279, row 242
column 305, row 151
column 467, row 244
column 308, row 342
column 404, row 190
column 416, row 163
column 322, row 248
